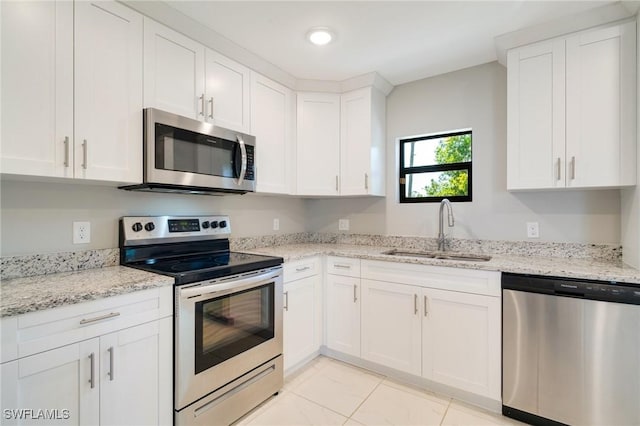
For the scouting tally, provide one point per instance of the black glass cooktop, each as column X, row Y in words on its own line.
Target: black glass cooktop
column 190, row 269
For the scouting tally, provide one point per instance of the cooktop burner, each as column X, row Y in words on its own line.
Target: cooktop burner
column 189, row 249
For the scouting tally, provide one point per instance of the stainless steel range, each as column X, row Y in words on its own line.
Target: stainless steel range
column 228, row 314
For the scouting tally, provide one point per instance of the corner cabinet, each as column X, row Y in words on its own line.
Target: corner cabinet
column 72, row 105
column 272, row 112
column 572, row 111
column 184, row 77
column 106, row 362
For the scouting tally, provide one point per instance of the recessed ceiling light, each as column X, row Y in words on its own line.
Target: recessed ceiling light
column 320, row 36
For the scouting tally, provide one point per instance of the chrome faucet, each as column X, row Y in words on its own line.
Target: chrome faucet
column 441, row 236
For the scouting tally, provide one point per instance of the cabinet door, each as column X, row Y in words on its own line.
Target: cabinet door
column 343, row 314
column 355, row 142
column 453, row 323
column 301, row 320
column 37, row 88
column 271, row 124
column 108, row 92
column 601, row 79
column 318, row 143
column 535, row 116
column 56, row 381
column 135, row 375
column 173, row 71
column 391, row 324
column 227, row 92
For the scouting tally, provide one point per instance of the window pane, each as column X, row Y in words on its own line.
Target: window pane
column 437, row 184
column 444, row 150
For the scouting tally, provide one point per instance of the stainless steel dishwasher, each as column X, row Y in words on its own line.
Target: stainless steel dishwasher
column 570, row 351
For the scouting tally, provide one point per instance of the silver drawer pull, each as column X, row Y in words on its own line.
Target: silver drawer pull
column 286, row 301
column 426, row 308
column 573, row 167
column 355, row 293
column 66, row 151
column 558, row 171
column 340, row 266
column 415, row 304
column 100, row 318
column 92, row 375
column 306, row 268
column 110, row 373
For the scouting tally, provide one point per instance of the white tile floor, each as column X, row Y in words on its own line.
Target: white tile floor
column 330, row 392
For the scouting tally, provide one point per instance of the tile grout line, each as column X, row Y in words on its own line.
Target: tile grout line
column 365, row 399
column 318, row 404
column 444, row 416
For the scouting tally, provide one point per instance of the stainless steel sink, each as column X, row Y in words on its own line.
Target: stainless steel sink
column 468, row 257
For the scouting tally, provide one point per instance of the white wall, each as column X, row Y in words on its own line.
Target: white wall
column 37, row 217
column 475, row 98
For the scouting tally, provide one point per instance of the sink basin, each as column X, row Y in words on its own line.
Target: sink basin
column 440, row 255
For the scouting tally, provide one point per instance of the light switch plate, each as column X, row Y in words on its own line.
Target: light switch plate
column 343, row 225
column 533, row 230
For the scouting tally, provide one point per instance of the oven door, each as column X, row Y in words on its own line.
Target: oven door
column 225, row 328
column 187, row 152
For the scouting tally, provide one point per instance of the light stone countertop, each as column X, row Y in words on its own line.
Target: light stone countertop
column 36, row 293
column 536, row 265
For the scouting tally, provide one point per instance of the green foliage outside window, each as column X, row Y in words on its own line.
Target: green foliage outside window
column 454, row 149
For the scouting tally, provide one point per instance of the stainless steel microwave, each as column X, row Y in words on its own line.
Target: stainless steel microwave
column 189, row 156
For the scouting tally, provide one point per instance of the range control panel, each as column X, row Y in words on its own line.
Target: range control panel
column 140, row 229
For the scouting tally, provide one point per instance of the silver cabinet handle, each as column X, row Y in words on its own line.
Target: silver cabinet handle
column 243, row 154
column 84, row 154
column 336, row 183
column 340, row 266
column 286, row 301
column 100, row 318
column 558, row 169
column 66, row 151
column 201, row 104
column 366, row 181
column 415, row 304
column 110, row 373
column 426, row 309
column 211, row 110
column 306, row 268
column 573, row 167
column 355, row 293
column 92, row 375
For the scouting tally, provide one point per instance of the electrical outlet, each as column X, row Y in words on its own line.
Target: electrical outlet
column 343, row 224
column 81, row 232
column 532, row 230
column 276, row 224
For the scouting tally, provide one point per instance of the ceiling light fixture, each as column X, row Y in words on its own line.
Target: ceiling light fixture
column 320, row 36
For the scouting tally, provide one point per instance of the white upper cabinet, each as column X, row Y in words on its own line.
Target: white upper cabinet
column 108, row 92
column 72, row 105
column 272, row 124
column 37, row 88
column 173, row 71
column 318, row 143
column 362, row 133
column 601, row 107
column 184, row 77
column 227, row 92
column 572, row 111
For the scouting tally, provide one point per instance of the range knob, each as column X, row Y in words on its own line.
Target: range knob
column 223, row 224
column 214, row 224
column 149, row 226
column 205, row 224
column 137, row 227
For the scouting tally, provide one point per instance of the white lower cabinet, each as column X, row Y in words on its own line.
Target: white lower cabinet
column 391, row 325
column 111, row 377
column 461, row 341
column 302, row 319
column 343, row 314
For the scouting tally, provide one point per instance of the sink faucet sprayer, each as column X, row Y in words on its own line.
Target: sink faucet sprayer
column 450, row 220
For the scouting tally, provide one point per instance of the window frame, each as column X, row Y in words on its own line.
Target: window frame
column 405, row 170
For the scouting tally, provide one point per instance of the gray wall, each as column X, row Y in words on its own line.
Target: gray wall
column 475, row 98
column 37, row 217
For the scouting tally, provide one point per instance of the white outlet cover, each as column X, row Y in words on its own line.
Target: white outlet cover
column 343, row 224
column 81, row 232
column 533, row 230
column 276, row 224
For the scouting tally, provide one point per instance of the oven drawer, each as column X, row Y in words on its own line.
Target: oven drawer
column 36, row 332
column 343, row 266
column 301, row 269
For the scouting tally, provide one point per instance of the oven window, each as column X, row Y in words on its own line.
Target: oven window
column 232, row 324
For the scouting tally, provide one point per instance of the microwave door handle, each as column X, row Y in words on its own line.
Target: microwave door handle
column 243, row 167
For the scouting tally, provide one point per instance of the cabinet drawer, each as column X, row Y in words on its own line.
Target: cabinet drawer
column 343, row 266
column 454, row 279
column 301, row 269
column 40, row 331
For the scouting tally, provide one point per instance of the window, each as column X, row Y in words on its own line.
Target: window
column 435, row 167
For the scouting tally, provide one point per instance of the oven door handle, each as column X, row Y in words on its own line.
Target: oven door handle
column 230, row 286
